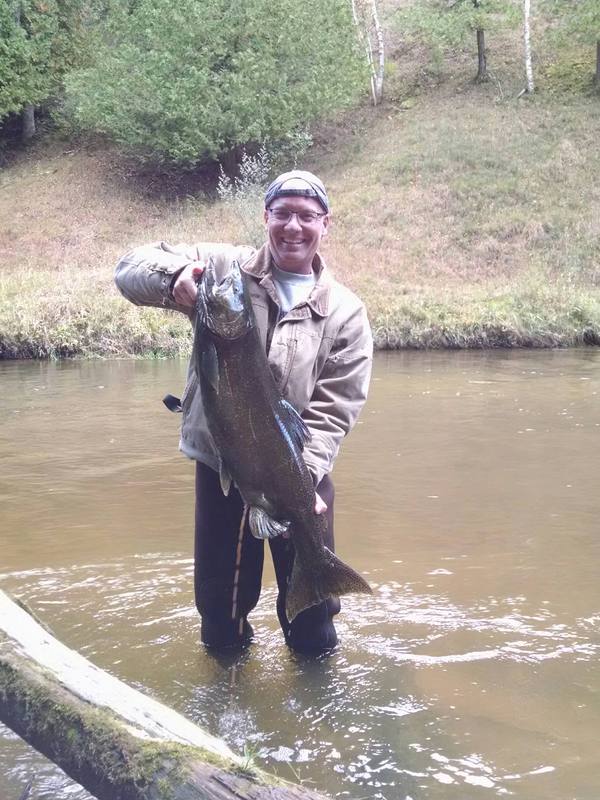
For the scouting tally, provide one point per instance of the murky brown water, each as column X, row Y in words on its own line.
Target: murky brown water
column 469, row 494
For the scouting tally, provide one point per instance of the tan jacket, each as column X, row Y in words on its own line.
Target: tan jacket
column 320, row 352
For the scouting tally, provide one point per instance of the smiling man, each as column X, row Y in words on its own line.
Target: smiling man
column 319, row 346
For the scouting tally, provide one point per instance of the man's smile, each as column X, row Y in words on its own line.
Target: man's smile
column 295, row 226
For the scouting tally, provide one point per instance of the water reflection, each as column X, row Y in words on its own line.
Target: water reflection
column 468, row 496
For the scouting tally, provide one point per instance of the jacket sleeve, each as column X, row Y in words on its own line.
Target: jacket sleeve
column 145, row 275
column 339, row 394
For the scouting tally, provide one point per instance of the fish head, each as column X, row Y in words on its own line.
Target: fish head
column 223, row 303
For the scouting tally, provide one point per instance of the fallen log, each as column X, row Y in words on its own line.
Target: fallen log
column 116, row 742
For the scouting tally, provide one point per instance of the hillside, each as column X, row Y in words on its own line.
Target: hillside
column 465, row 218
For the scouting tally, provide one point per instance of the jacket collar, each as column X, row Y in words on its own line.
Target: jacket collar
column 259, row 267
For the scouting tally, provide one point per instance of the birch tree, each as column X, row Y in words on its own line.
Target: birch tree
column 370, row 34
column 527, row 45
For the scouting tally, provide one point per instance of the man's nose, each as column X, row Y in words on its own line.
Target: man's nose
column 293, row 221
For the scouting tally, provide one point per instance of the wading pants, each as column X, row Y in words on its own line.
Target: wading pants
column 228, row 571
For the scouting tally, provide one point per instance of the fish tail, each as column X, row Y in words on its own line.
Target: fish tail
column 332, row 579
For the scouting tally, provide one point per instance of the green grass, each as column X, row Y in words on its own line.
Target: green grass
column 528, row 316
column 46, row 314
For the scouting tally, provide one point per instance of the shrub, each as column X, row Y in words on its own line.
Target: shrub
column 188, row 82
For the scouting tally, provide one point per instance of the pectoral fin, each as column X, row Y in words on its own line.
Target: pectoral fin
column 265, row 527
column 209, row 364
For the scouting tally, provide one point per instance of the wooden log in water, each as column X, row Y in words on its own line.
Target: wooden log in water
column 113, row 740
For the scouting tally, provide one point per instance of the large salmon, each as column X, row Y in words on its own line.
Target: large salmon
column 259, row 437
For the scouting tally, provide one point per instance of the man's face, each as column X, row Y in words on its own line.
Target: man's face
column 294, row 242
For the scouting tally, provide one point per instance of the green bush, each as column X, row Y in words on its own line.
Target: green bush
column 576, row 22
column 39, row 42
column 571, row 73
column 25, row 50
column 190, row 81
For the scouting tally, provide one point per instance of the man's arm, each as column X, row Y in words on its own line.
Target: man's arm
column 339, row 393
column 164, row 275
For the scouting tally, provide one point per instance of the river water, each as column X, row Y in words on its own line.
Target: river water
column 468, row 494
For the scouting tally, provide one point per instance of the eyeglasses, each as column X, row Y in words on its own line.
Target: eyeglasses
column 284, row 215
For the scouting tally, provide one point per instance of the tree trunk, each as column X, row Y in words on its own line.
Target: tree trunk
column 28, row 111
column 481, row 59
column 378, row 84
column 527, row 43
column 229, row 162
column 28, row 122
column 110, row 738
column 364, row 39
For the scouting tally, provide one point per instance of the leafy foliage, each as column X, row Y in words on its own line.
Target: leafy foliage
column 446, row 25
column 26, row 34
column 578, row 19
column 39, row 41
column 186, row 82
column 578, row 22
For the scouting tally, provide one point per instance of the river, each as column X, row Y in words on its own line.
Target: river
column 468, row 494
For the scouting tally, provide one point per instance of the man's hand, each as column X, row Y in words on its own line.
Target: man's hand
column 185, row 287
column 320, row 508
column 320, row 504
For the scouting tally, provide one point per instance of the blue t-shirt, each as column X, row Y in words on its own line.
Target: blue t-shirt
column 292, row 287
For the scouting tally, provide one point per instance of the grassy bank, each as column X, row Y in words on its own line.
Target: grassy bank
column 463, row 217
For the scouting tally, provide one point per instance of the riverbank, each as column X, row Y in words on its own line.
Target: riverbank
column 463, row 218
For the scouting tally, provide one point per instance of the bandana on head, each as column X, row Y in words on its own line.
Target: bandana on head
column 314, row 188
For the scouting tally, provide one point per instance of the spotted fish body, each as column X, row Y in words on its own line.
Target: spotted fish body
column 260, row 437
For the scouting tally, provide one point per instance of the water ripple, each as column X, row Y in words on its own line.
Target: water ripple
column 392, row 714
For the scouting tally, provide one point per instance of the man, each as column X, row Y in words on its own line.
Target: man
column 319, row 346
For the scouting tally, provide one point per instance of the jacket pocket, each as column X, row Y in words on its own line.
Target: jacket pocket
column 281, row 365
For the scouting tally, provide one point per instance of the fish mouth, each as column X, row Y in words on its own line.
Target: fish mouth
column 225, row 283
column 222, row 305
